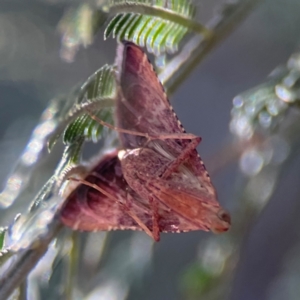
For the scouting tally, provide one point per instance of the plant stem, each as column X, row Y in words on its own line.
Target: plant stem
column 72, row 266
column 24, row 261
column 23, row 289
column 198, row 47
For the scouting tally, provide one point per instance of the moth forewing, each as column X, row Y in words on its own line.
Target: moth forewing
column 182, row 192
column 89, row 209
column 142, row 105
column 196, row 208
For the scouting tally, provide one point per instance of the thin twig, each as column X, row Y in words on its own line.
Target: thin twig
column 72, row 267
column 198, row 47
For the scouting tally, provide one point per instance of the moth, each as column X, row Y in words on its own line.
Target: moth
column 106, row 202
column 157, row 182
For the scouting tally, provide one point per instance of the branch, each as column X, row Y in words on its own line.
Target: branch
column 198, row 47
column 25, row 260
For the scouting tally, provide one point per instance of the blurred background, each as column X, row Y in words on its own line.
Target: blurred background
column 196, row 265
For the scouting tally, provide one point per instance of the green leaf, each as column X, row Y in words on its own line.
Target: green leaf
column 5, row 254
column 258, row 108
column 196, row 281
column 158, row 25
column 2, row 236
column 102, row 86
column 98, row 92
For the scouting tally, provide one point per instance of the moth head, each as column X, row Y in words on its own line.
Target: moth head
column 221, row 221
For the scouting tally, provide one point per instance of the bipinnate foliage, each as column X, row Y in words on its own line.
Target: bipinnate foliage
column 264, row 107
column 100, row 87
column 159, row 26
column 5, row 254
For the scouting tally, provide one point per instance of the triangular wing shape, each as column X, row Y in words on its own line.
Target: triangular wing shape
column 87, row 209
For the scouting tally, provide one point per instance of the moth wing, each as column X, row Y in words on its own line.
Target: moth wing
column 87, row 209
column 143, row 106
column 196, row 208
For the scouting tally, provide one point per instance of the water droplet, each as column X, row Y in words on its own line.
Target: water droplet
column 238, row 101
column 32, row 152
column 264, row 119
column 44, row 129
column 241, row 126
column 285, row 94
column 11, row 191
column 251, row 162
column 273, row 107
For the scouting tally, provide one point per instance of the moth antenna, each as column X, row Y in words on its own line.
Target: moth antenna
column 103, row 123
column 186, row 136
column 94, row 186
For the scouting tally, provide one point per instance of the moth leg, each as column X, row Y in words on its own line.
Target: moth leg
column 143, row 192
column 155, row 217
column 154, row 234
column 182, row 157
column 125, row 207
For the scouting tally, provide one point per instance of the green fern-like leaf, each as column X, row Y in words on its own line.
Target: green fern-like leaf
column 5, row 254
column 257, row 107
column 102, row 86
column 2, row 236
column 265, row 106
column 159, row 25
